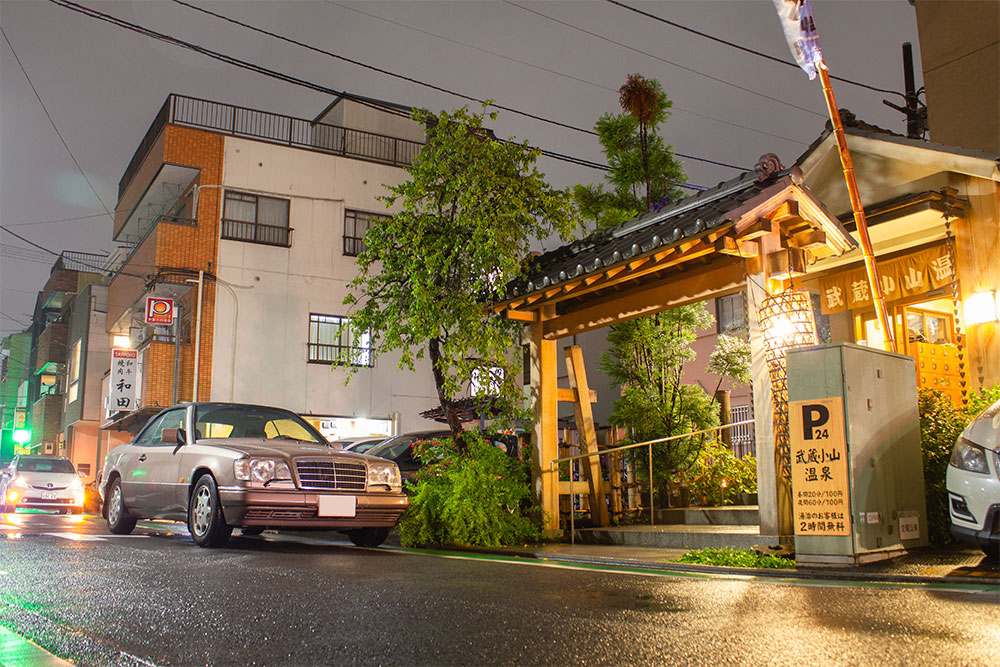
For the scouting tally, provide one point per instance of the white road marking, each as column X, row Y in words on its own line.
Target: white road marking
column 76, row 537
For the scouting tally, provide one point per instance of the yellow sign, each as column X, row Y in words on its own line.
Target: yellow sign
column 820, row 483
column 911, row 275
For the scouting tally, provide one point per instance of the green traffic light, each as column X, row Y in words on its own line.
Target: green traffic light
column 21, row 436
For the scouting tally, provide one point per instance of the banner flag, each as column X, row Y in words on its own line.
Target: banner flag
column 800, row 32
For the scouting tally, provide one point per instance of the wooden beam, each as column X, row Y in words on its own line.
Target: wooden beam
column 545, row 435
column 568, row 395
column 591, row 466
column 787, row 212
column 521, row 315
column 677, row 289
column 578, row 488
column 758, row 228
column 808, row 239
column 786, row 263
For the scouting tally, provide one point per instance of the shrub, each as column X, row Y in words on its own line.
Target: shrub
column 481, row 497
column 718, row 476
column 736, row 558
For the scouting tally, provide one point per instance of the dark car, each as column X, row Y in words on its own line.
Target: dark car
column 359, row 445
column 400, row 449
column 220, row 465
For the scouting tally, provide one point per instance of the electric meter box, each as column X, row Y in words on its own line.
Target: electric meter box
column 856, row 462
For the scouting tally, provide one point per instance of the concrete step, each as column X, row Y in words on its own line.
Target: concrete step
column 733, row 515
column 677, row 536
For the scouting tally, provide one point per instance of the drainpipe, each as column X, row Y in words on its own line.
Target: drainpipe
column 197, row 333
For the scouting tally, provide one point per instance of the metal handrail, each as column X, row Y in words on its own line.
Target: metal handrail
column 554, row 463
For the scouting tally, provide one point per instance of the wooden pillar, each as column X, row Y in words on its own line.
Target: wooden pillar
column 588, row 435
column 545, row 436
column 725, row 416
column 767, row 498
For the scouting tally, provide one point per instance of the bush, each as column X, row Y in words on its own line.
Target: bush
column 481, row 497
column 736, row 558
column 718, row 476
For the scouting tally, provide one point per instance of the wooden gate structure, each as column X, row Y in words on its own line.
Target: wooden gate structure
column 757, row 231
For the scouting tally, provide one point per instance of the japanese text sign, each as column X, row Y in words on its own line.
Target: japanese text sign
column 159, row 311
column 123, row 380
column 820, row 483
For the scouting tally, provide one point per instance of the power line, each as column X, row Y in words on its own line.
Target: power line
column 29, row 241
column 49, row 222
column 436, row 88
column 552, row 71
column 15, row 319
column 663, row 60
column 744, row 48
column 52, row 122
column 259, row 69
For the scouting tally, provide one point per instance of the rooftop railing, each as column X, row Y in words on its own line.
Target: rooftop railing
column 273, row 128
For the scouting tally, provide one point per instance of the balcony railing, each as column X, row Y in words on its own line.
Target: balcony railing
column 273, row 128
column 255, row 232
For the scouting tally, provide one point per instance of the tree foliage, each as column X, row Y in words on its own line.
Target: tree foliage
column 643, row 167
column 467, row 214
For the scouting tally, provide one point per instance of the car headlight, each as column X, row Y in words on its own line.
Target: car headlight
column 969, row 457
column 76, row 485
column 21, row 483
column 384, row 473
column 261, row 470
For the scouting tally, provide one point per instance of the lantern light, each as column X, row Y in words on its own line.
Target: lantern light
column 981, row 308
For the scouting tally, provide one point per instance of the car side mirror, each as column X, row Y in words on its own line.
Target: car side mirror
column 173, row 436
column 81, row 474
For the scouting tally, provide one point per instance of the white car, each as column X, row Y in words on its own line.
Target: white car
column 41, row 482
column 974, row 483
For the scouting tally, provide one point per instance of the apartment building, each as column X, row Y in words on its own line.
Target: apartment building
column 250, row 221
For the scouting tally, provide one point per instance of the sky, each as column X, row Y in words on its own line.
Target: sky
column 77, row 94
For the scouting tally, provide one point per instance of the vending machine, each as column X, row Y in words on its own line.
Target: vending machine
column 856, row 462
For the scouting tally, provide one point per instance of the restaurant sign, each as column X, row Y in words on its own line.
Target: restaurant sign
column 911, row 275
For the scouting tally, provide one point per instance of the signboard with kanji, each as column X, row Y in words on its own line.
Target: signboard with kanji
column 123, row 380
column 20, row 417
column 159, row 310
column 820, row 482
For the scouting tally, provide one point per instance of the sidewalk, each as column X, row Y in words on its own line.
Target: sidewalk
column 15, row 651
column 950, row 564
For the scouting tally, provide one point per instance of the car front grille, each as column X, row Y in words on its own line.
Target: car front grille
column 331, row 475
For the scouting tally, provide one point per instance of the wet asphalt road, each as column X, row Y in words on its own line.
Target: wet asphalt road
column 154, row 597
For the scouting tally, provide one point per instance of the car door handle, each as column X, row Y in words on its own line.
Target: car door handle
column 142, row 457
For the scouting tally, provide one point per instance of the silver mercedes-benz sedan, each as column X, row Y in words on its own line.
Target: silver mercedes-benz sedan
column 220, row 465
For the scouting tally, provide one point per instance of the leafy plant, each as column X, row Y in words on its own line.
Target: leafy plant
column 736, row 558
column 476, row 497
column 718, row 477
column 466, row 219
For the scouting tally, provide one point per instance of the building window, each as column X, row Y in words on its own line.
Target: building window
column 356, row 223
column 73, row 377
column 256, row 219
column 333, row 341
column 731, row 312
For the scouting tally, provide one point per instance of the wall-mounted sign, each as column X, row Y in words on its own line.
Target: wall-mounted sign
column 159, row 310
column 123, row 380
column 20, row 417
column 820, row 484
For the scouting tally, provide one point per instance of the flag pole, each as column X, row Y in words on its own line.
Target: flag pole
column 859, row 215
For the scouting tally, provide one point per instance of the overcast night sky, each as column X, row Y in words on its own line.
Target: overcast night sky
column 102, row 85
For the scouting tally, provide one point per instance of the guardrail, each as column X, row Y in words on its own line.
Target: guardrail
column 554, row 464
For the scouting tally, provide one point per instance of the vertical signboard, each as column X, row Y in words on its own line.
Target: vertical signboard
column 820, row 482
column 123, row 374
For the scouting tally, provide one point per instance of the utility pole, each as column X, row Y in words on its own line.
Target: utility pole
column 913, row 109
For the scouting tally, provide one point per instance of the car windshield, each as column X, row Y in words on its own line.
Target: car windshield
column 246, row 421
column 30, row 464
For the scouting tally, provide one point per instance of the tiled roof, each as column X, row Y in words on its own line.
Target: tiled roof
column 670, row 226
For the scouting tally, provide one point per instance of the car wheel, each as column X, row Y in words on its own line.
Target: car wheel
column 206, row 524
column 251, row 530
column 368, row 537
column 119, row 521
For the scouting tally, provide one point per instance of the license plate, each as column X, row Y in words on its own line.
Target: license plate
column 49, row 495
column 337, row 506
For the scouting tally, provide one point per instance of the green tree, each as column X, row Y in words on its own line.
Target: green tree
column 643, row 169
column 467, row 215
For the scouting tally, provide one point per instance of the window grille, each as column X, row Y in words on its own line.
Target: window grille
column 333, row 341
column 256, row 219
column 356, row 223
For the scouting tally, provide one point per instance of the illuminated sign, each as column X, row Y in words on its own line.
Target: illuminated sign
column 123, row 380
column 820, row 483
column 159, row 311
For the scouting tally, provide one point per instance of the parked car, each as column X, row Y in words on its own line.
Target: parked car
column 973, row 483
column 360, row 444
column 400, row 449
column 220, row 465
column 41, row 482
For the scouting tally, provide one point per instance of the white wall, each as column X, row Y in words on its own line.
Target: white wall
column 277, row 288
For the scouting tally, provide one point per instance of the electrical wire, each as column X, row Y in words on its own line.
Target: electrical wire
column 49, row 222
column 14, row 319
column 554, row 72
column 53, row 123
column 408, row 79
column 744, row 48
column 664, row 60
